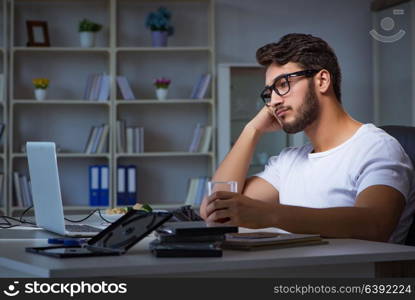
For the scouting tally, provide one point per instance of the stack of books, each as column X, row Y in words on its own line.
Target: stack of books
column 23, row 191
column 126, row 185
column 202, row 136
column 126, row 91
column 97, row 139
column 196, row 191
column 129, row 139
column 98, row 185
column 201, row 86
column 97, row 87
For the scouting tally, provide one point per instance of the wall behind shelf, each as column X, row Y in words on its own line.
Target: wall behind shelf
column 67, row 126
column 63, row 19
column 187, row 18
column 67, row 72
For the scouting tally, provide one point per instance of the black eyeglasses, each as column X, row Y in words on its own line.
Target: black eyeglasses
column 281, row 84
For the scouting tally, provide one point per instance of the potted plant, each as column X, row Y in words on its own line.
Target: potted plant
column 87, row 30
column 41, row 84
column 162, row 86
column 159, row 24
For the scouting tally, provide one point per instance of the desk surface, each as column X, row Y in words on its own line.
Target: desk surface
column 139, row 261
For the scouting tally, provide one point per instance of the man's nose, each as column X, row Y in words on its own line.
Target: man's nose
column 276, row 100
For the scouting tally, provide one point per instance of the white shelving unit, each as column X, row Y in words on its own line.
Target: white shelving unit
column 3, row 107
column 123, row 48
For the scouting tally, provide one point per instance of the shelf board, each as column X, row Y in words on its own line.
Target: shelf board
column 163, row 154
column 169, row 101
column 162, row 49
column 55, row 101
column 68, row 155
column 60, row 49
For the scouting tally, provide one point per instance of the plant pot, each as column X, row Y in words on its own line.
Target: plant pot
column 40, row 94
column 87, row 39
column 159, row 38
column 161, row 94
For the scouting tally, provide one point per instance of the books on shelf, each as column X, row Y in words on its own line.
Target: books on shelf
column 201, row 86
column 125, row 88
column 22, row 190
column 196, row 191
column 98, row 185
column 202, row 137
column 126, row 185
column 97, row 139
column 129, row 139
column 97, row 87
column 1, row 87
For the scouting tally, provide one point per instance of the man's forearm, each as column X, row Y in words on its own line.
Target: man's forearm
column 340, row 222
column 236, row 164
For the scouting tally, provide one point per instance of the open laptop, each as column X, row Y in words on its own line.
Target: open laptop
column 47, row 199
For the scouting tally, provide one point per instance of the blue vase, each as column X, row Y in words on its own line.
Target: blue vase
column 159, row 38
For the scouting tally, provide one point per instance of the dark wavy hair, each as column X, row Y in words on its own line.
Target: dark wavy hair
column 308, row 51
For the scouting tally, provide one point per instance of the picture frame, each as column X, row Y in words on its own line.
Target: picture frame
column 38, row 34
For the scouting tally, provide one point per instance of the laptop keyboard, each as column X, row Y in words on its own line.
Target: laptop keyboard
column 81, row 228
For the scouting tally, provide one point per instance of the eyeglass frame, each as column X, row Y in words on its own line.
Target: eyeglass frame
column 306, row 73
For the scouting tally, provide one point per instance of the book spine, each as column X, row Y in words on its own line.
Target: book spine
column 18, row 201
column 130, row 139
column 103, row 140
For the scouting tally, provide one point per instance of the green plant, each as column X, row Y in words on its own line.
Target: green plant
column 87, row 25
column 160, row 20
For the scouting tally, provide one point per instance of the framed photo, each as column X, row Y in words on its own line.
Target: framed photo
column 37, row 32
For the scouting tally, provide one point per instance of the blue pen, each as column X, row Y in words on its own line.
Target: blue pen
column 66, row 242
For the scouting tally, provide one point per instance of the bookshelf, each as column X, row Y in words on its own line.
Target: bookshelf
column 123, row 48
column 3, row 107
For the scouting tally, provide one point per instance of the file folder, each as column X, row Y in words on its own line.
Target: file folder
column 131, row 185
column 103, row 188
column 121, row 185
column 94, row 185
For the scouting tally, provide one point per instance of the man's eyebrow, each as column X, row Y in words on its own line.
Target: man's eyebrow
column 275, row 78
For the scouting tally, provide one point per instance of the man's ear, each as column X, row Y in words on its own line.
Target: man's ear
column 323, row 80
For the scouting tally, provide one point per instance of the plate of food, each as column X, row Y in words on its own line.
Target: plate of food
column 113, row 214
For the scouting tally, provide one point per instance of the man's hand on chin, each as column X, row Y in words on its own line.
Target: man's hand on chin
column 238, row 210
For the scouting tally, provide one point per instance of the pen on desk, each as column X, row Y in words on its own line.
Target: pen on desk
column 67, row 242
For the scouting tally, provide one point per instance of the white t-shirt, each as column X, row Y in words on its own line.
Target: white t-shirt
column 335, row 177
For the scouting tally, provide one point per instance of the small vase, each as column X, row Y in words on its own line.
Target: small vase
column 40, row 94
column 159, row 38
column 161, row 94
column 87, row 39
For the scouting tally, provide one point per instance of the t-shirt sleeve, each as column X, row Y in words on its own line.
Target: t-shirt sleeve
column 386, row 163
column 272, row 171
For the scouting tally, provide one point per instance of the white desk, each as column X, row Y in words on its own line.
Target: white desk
column 339, row 258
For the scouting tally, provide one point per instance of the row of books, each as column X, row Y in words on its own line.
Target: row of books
column 126, row 185
column 202, row 137
column 22, row 190
column 97, row 139
column 98, row 185
column 129, row 139
column 97, row 87
column 196, row 191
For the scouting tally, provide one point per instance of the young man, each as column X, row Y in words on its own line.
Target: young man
column 352, row 181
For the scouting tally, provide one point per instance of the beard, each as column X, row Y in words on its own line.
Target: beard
column 308, row 112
